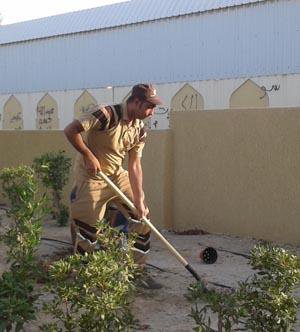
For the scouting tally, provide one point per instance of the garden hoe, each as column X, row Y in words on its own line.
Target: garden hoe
column 148, row 223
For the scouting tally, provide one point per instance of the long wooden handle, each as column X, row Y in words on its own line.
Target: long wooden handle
column 128, row 202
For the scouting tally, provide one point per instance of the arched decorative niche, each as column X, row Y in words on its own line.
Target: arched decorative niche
column 187, row 99
column 12, row 114
column 84, row 103
column 249, row 95
column 47, row 113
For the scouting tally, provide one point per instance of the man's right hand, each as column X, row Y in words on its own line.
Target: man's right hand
column 73, row 134
column 92, row 165
column 142, row 209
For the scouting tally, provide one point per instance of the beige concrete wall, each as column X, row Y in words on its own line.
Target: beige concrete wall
column 228, row 171
column 158, row 177
column 238, row 172
column 22, row 147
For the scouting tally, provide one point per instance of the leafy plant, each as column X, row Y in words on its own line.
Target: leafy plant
column 63, row 216
column 53, row 169
column 93, row 292
column 264, row 302
column 17, row 298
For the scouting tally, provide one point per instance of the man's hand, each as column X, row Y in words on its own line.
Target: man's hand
column 92, row 164
column 142, row 209
column 147, row 211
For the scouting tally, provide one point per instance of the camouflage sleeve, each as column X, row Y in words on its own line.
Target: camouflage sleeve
column 96, row 119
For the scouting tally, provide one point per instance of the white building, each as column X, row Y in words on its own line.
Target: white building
column 53, row 67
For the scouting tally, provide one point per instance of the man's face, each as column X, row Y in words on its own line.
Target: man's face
column 144, row 109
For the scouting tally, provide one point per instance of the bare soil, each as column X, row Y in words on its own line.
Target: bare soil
column 166, row 309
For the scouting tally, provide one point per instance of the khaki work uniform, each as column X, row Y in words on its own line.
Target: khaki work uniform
column 110, row 138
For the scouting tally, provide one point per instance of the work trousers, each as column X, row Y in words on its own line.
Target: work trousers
column 89, row 201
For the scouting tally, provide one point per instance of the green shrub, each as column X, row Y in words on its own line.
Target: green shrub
column 93, row 292
column 53, row 169
column 17, row 300
column 17, row 297
column 63, row 215
column 264, row 302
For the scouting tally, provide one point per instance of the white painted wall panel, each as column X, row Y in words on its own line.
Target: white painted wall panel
column 216, row 95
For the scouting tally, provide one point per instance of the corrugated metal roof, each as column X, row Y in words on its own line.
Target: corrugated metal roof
column 130, row 12
column 225, row 44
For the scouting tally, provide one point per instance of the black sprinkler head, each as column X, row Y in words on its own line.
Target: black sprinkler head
column 209, row 255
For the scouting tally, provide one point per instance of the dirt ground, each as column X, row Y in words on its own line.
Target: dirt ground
column 166, row 309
